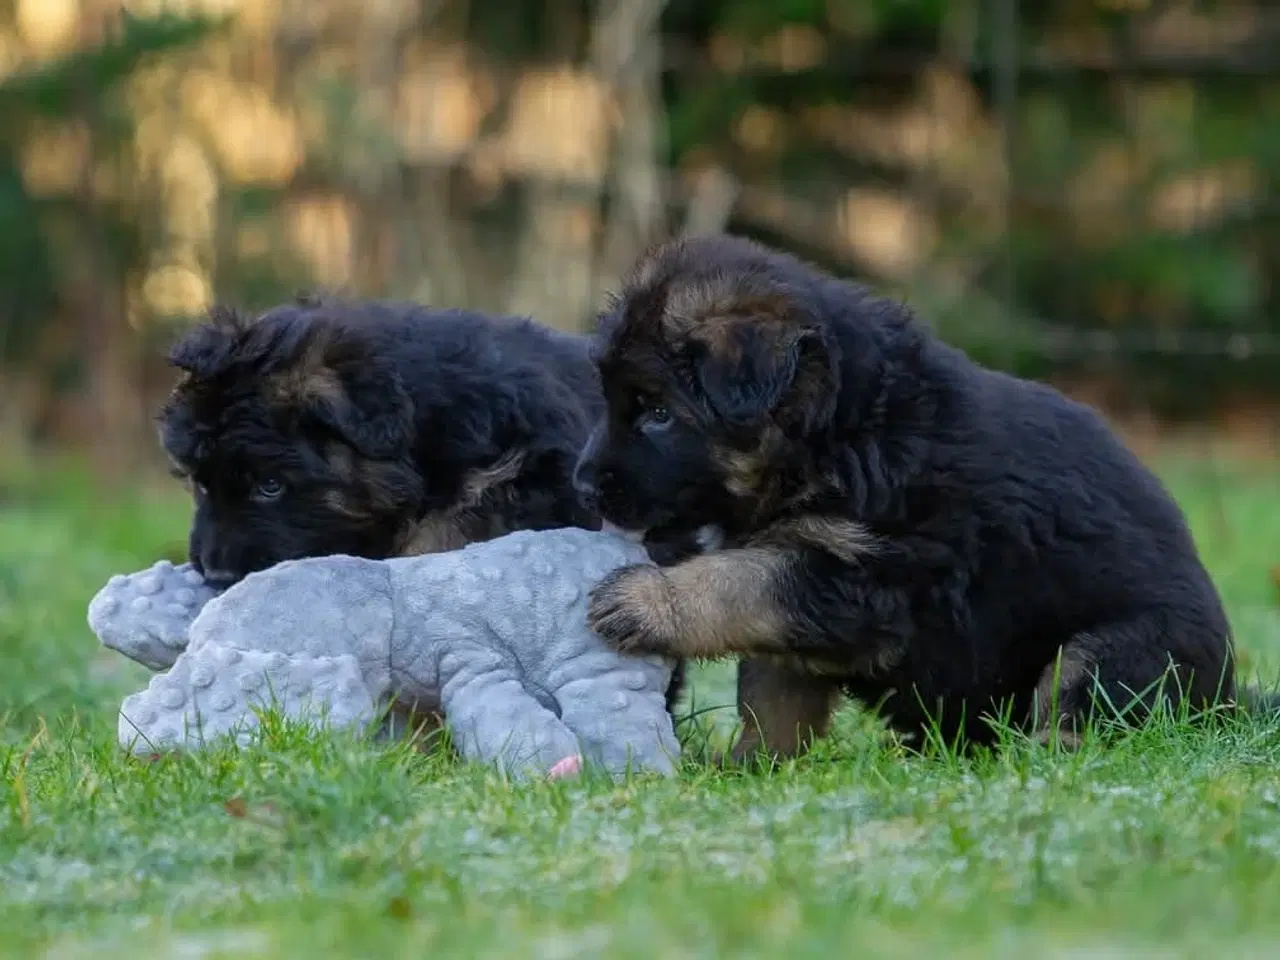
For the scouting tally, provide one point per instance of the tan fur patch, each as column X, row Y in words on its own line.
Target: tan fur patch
column 310, row 379
column 718, row 335
column 744, row 471
column 340, row 503
column 452, row 529
column 722, row 603
column 847, row 540
column 713, row 310
column 747, row 472
column 364, row 491
column 783, row 709
column 479, row 483
column 306, row 385
column 433, row 534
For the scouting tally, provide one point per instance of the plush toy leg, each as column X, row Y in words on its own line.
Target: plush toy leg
column 213, row 692
column 494, row 719
column 147, row 615
column 621, row 720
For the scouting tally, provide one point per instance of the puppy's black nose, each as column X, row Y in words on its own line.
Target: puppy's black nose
column 215, row 577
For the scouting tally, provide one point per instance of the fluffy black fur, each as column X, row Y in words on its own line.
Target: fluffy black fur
column 899, row 522
column 327, row 427
column 375, row 429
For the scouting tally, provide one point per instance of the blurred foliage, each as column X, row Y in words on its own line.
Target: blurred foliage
column 82, row 83
column 1138, row 104
column 1079, row 191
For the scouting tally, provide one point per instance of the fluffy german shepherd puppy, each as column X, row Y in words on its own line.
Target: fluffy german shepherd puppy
column 898, row 522
column 373, row 429
column 376, row 429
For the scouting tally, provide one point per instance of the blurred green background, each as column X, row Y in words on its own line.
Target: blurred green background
column 1085, row 192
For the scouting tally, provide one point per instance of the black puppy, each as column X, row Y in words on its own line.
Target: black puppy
column 899, row 522
column 375, row 430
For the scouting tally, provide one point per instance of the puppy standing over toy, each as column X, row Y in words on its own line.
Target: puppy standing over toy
column 937, row 539
column 495, row 633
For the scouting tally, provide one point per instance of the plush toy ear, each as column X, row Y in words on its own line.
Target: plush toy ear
column 752, row 370
column 340, row 382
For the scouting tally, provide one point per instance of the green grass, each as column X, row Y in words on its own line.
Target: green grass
column 1164, row 845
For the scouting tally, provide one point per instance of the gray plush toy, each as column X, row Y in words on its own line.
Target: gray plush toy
column 494, row 634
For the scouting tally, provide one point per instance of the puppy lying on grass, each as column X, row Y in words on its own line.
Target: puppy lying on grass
column 377, row 430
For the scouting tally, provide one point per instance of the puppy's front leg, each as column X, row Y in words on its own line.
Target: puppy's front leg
column 783, row 707
column 711, row 606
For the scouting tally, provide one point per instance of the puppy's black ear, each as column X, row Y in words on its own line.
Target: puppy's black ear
column 210, row 347
column 340, row 382
column 751, row 371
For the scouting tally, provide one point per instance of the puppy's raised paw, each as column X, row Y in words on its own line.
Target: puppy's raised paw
column 633, row 610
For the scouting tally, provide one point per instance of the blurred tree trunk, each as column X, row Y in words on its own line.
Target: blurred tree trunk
column 111, row 401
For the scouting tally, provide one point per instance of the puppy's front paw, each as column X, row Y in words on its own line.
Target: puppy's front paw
column 632, row 609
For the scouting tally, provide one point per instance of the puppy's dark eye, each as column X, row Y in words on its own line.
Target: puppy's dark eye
column 653, row 416
column 269, row 489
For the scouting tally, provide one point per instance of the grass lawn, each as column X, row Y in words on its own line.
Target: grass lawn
column 1165, row 845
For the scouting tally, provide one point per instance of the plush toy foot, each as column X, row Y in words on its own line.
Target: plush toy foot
column 147, row 615
column 568, row 767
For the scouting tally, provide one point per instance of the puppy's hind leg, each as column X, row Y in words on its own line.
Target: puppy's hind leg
column 1124, row 671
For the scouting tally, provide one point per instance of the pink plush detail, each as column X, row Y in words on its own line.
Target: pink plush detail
column 570, row 766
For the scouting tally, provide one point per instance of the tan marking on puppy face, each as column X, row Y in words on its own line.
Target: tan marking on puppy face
column 455, row 527
column 743, row 471
column 340, row 502
column 747, row 472
column 703, row 306
column 716, row 313
column 305, row 386
column 365, row 488
column 309, row 379
column 752, row 474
